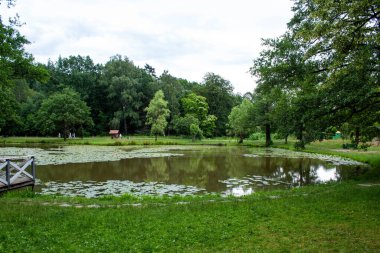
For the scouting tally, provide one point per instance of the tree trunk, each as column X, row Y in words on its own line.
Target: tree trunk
column 357, row 135
column 64, row 132
column 125, row 126
column 267, row 135
column 241, row 139
column 155, row 137
column 286, row 139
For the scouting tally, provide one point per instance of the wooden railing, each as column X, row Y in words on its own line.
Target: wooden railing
column 13, row 172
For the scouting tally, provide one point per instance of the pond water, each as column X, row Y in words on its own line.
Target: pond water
column 92, row 171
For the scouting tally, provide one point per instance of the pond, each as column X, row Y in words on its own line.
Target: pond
column 93, row 171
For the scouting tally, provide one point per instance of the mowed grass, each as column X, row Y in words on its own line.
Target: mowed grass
column 334, row 147
column 126, row 140
column 339, row 217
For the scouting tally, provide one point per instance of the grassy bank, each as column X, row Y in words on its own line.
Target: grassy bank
column 334, row 147
column 130, row 140
column 341, row 217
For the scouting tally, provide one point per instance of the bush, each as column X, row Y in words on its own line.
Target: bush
column 299, row 145
column 364, row 146
column 350, row 146
column 256, row 136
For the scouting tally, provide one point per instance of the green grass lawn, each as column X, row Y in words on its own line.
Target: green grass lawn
column 334, row 147
column 339, row 217
column 128, row 140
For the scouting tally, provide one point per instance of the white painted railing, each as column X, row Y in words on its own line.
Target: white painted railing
column 13, row 170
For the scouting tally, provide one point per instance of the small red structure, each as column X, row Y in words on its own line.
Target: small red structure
column 114, row 133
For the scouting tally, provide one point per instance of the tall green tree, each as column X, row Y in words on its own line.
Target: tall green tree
column 83, row 75
column 63, row 112
column 15, row 63
column 344, row 38
column 129, row 92
column 173, row 91
column 283, row 116
column 195, row 105
column 240, row 120
column 283, row 70
column 157, row 113
column 220, row 98
column 263, row 107
column 195, row 110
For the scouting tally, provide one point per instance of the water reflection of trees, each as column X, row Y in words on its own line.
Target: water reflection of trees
column 204, row 168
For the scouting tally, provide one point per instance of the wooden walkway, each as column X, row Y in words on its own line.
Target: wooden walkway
column 17, row 172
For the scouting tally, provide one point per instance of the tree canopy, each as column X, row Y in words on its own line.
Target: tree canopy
column 63, row 112
column 323, row 73
column 156, row 114
column 327, row 64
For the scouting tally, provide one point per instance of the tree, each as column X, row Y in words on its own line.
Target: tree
column 157, row 112
column 125, row 91
column 282, row 70
column 208, row 125
column 240, row 119
column 82, row 75
column 283, row 116
column 63, row 112
column 220, row 98
column 197, row 107
column 15, row 63
column 181, row 125
column 173, row 91
column 195, row 132
column 344, row 38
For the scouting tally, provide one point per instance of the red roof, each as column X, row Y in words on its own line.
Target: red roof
column 114, row 132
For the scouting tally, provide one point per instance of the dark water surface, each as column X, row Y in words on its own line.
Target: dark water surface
column 196, row 170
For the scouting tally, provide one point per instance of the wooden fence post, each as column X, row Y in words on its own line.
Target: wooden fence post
column 33, row 169
column 7, row 173
column 33, row 173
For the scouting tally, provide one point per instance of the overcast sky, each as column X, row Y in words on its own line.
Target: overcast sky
column 186, row 37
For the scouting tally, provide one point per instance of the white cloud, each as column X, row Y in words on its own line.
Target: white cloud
column 188, row 38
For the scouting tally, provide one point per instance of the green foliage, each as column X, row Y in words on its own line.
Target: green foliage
column 195, row 132
column 63, row 112
column 256, row 136
column 195, row 105
column 129, row 92
column 300, row 144
column 323, row 70
column 173, row 91
column 182, row 124
column 240, row 119
column 208, row 126
column 220, row 98
column 15, row 63
column 157, row 112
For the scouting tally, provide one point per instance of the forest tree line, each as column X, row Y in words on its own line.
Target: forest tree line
column 321, row 76
column 93, row 98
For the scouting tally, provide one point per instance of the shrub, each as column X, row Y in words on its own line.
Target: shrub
column 364, row 146
column 256, row 136
column 350, row 146
column 299, row 145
